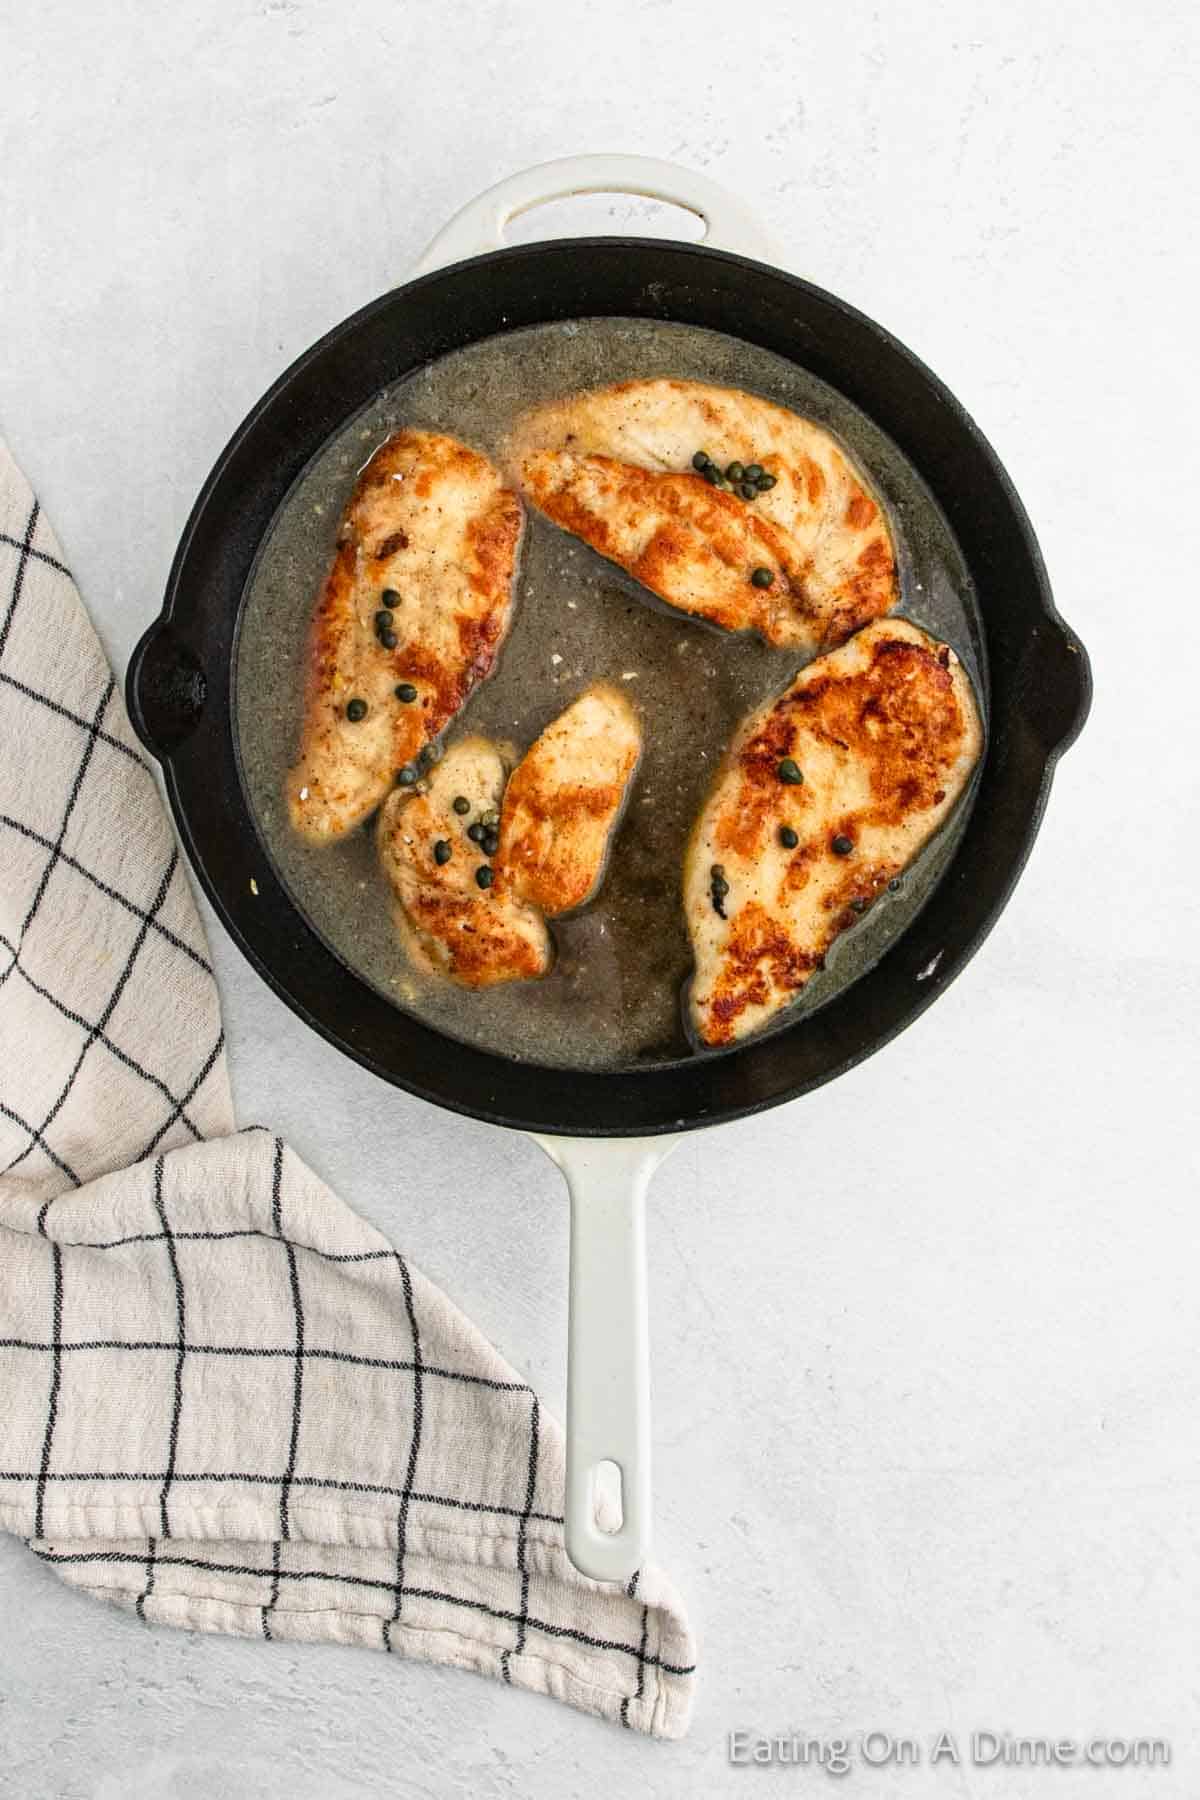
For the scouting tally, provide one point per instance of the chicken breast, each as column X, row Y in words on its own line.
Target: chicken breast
column 477, row 936
column 564, row 800
column 541, row 843
column 410, row 620
column 824, row 796
column 803, row 561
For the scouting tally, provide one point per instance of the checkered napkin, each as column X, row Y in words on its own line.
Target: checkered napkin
column 226, row 1402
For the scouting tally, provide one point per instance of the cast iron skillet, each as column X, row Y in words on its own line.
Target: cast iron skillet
column 179, row 696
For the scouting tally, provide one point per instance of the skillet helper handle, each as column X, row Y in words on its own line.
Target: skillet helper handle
column 480, row 226
column 608, row 1370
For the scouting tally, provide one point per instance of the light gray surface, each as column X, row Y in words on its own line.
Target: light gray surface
column 927, row 1352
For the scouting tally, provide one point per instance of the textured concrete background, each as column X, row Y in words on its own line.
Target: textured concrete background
column 926, row 1344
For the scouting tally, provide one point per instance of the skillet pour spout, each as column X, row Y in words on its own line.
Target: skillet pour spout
column 1056, row 680
column 165, row 689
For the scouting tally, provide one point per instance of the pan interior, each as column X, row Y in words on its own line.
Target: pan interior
column 612, row 999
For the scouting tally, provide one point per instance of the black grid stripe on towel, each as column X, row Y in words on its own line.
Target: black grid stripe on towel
column 225, row 1400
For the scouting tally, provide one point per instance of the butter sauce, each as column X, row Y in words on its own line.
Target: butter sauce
column 612, row 998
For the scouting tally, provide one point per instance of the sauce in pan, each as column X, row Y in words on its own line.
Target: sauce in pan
column 612, row 998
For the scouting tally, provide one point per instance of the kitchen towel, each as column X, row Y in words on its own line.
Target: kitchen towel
column 227, row 1402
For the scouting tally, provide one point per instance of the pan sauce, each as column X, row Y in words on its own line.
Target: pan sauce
column 613, row 996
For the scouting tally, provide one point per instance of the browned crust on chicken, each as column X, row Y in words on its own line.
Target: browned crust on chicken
column 613, row 467
column 554, row 823
column 451, row 926
column 886, row 733
column 564, row 800
column 430, row 520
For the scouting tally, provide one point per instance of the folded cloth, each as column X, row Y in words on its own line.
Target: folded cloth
column 226, row 1401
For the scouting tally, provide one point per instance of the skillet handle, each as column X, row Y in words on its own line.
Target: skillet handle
column 480, row 226
column 608, row 1370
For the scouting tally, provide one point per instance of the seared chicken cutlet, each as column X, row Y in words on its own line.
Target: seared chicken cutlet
column 412, row 614
column 824, row 796
column 790, row 544
column 476, row 878
column 478, row 936
column 564, row 800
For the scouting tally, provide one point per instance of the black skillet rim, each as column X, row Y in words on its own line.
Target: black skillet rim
column 180, row 675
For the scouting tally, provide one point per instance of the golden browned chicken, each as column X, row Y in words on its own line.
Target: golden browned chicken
column 411, row 617
column 563, row 802
column 478, row 867
column 824, row 796
column 724, row 505
column 477, row 935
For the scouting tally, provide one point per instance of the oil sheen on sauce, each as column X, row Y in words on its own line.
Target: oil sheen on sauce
column 613, row 997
